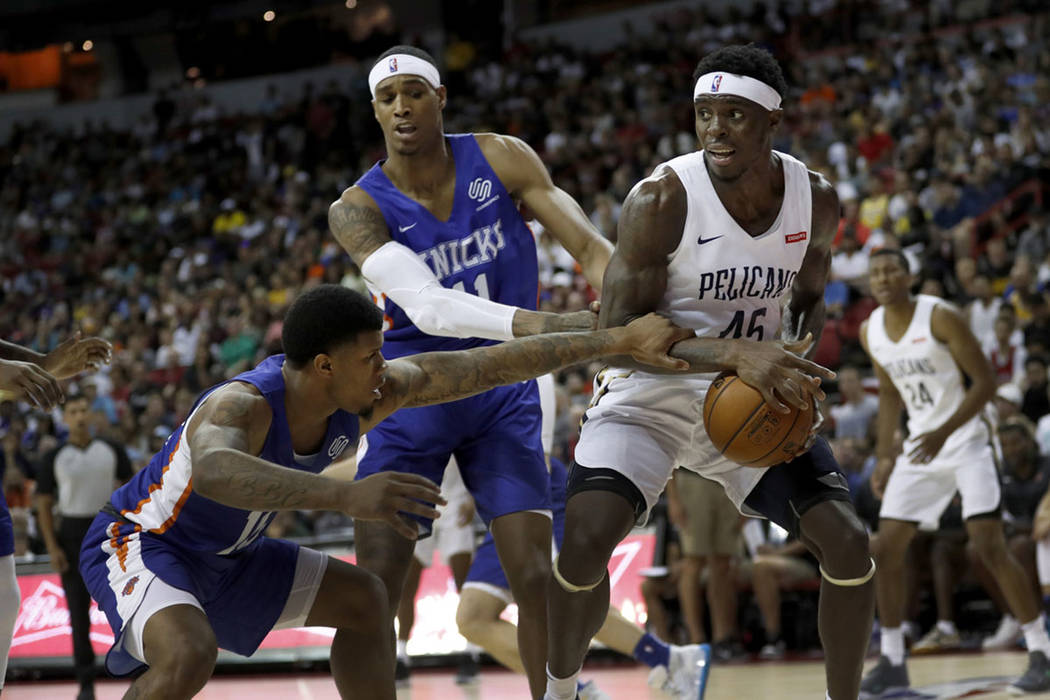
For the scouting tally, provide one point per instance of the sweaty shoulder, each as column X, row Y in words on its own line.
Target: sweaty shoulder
column 654, row 212
column 358, row 224
column 515, row 163
column 826, row 211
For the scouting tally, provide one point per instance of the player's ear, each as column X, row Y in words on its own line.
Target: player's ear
column 442, row 94
column 323, row 364
column 775, row 115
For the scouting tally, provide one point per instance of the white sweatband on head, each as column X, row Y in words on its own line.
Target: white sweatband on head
column 396, row 271
column 402, row 64
column 739, row 86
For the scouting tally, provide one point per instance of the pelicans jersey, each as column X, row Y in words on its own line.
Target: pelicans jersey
column 932, row 387
column 484, row 248
column 722, row 283
column 156, row 526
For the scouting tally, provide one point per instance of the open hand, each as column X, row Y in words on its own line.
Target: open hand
column 648, row 339
column 30, row 381
column 927, row 446
column 76, row 355
column 386, row 496
column 881, row 476
column 778, row 371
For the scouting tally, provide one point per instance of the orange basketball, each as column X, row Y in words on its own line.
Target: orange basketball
column 745, row 430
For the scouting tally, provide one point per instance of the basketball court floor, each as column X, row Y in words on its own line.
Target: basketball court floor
column 970, row 675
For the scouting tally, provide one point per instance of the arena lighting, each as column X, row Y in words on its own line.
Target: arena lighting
column 88, row 45
column 269, row 16
column 351, row 4
column 193, row 72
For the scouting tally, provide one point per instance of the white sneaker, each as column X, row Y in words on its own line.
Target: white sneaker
column 1006, row 636
column 685, row 677
column 591, row 691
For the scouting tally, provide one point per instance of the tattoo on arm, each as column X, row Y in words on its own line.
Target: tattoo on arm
column 447, row 376
column 360, row 229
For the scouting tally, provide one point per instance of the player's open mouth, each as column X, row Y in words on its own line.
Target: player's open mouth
column 376, row 392
column 721, row 156
column 405, row 129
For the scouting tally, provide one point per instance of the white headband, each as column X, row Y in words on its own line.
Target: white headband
column 402, row 64
column 738, row 85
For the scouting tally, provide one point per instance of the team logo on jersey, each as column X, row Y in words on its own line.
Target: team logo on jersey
column 337, row 446
column 795, row 237
column 129, row 586
column 480, row 189
column 716, row 83
column 393, row 64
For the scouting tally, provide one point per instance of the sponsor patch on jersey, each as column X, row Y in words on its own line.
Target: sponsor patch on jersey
column 919, row 340
column 795, row 237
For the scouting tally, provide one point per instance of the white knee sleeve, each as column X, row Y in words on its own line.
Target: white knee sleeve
column 1042, row 561
column 10, row 600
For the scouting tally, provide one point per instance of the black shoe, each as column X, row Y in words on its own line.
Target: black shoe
column 467, row 672
column 87, row 692
column 728, row 650
column 883, row 677
column 1036, row 679
column 401, row 674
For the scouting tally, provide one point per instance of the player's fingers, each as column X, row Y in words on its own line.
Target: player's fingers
column 772, row 401
column 667, row 362
column 428, row 493
column 810, row 367
column 51, row 386
column 794, row 394
column 33, row 391
column 407, row 505
column 800, row 346
column 404, row 527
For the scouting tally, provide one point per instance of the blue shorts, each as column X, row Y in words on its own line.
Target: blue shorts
column 486, row 569
column 7, row 530
column 243, row 595
column 494, row 436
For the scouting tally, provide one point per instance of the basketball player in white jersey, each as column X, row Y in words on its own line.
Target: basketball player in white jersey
column 721, row 240
column 921, row 347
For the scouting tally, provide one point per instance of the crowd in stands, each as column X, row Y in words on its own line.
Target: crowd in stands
column 183, row 240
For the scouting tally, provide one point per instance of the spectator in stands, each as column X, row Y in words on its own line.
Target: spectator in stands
column 1035, row 403
column 1005, row 350
column 984, row 308
column 853, row 415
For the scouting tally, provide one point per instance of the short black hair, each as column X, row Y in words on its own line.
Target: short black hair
column 324, row 318
column 750, row 60
column 411, row 51
column 75, row 395
column 895, row 252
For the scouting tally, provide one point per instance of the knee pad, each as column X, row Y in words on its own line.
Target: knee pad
column 849, row 582
column 572, row 587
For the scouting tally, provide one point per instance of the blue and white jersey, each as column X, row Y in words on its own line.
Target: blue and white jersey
column 160, row 498
column 485, row 248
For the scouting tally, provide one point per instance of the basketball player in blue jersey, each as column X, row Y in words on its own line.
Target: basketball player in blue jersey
column 437, row 234
column 721, row 240
column 34, row 376
column 177, row 559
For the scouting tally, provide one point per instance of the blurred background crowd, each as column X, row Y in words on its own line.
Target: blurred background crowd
column 183, row 238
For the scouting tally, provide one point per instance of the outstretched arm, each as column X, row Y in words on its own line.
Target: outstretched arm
column 230, row 429
column 439, row 377
column 804, row 313
column 524, row 175
column 396, row 271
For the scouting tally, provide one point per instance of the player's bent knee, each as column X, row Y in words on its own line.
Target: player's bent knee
column 569, row 586
column 187, row 663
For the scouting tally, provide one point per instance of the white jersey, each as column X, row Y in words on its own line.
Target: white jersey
column 924, row 372
column 722, row 281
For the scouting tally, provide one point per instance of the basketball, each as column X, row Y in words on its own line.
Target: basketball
column 748, row 432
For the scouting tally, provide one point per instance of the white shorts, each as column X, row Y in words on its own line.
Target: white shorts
column 643, row 426
column 920, row 492
column 310, row 566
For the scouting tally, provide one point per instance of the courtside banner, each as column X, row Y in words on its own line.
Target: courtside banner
column 42, row 629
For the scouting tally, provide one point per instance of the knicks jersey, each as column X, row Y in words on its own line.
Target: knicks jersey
column 160, row 498
column 484, row 248
column 722, row 281
column 924, row 372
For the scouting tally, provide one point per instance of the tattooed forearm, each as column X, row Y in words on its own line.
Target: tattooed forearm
column 447, row 376
column 240, row 480
column 361, row 230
